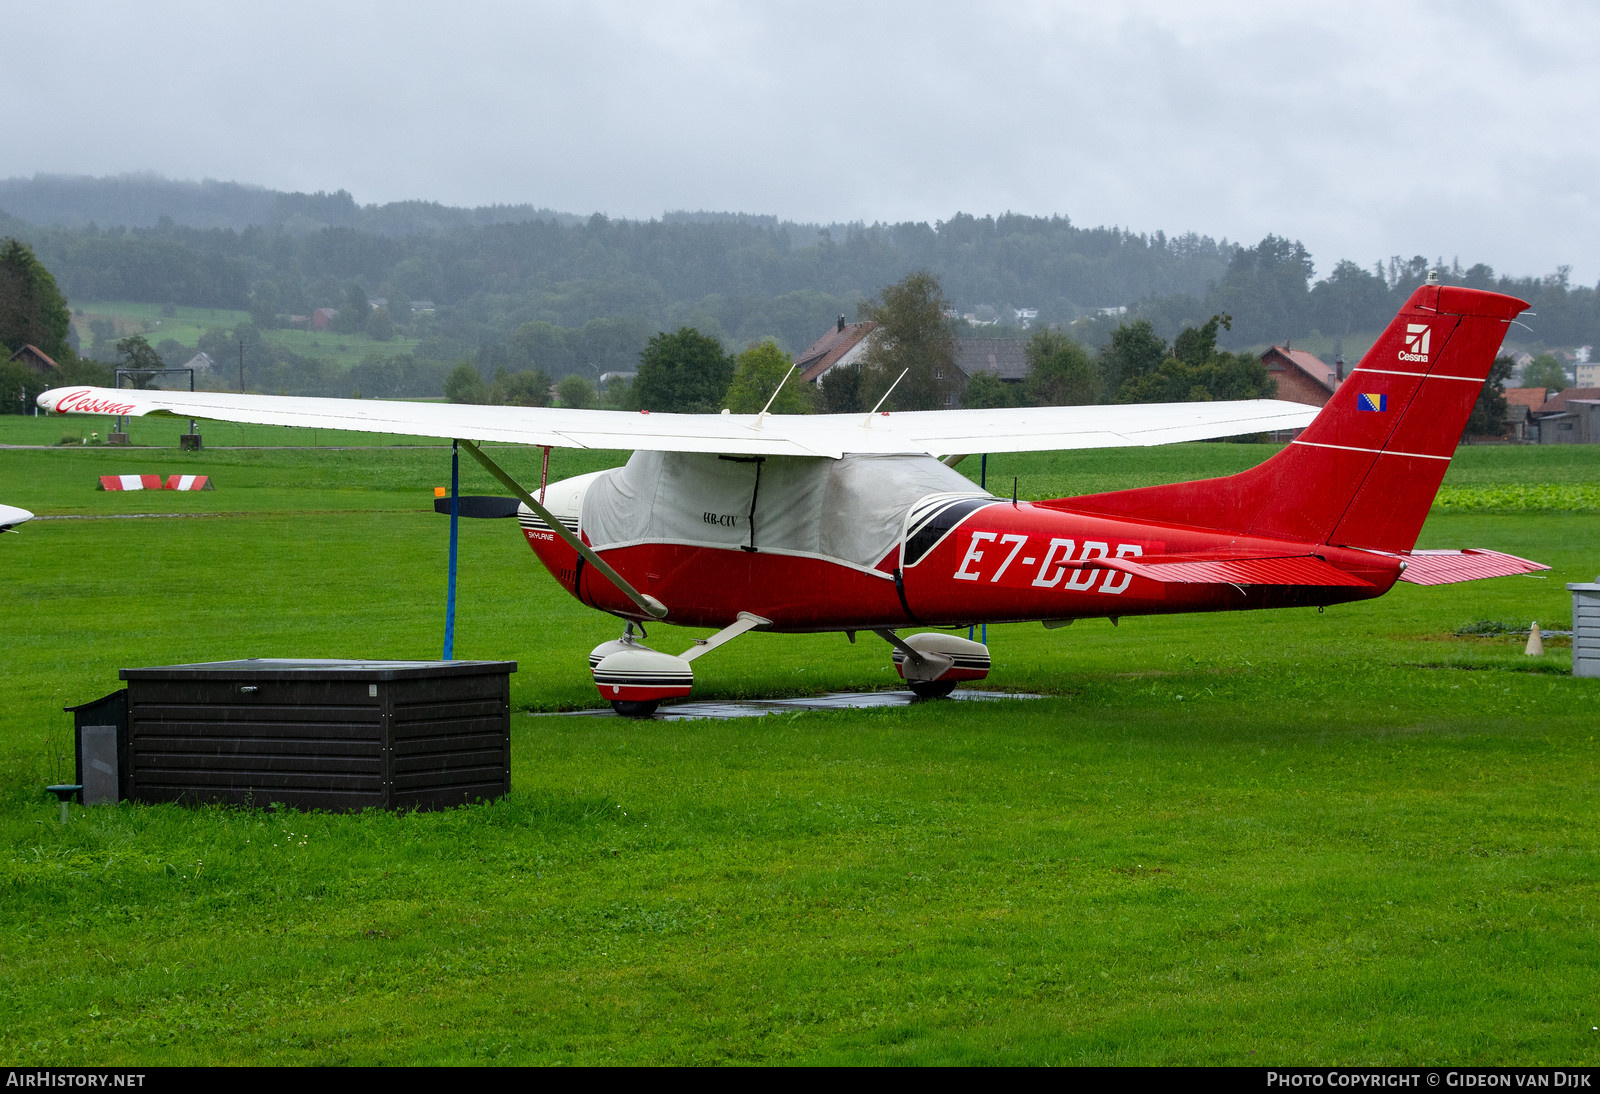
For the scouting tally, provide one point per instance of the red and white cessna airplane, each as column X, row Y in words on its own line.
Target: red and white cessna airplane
column 860, row 523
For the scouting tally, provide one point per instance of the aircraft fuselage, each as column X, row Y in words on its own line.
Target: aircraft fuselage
column 998, row 561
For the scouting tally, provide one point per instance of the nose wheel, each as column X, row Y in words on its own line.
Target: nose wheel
column 634, row 678
column 932, row 689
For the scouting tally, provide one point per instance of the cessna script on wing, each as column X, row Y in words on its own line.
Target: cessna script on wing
column 82, row 402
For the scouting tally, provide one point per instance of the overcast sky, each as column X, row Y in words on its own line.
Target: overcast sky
column 1365, row 130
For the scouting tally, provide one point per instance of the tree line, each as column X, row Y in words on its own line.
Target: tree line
column 744, row 278
column 33, row 312
column 909, row 363
column 1269, row 292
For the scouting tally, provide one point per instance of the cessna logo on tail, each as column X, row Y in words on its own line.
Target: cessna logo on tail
column 1417, row 337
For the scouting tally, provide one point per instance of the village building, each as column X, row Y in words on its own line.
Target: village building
column 322, row 317
column 1302, row 377
column 1005, row 358
column 1571, row 416
column 843, row 345
column 36, row 359
column 1577, row 422
column 1521, row 405
column 847, row 342
column 1557, row 403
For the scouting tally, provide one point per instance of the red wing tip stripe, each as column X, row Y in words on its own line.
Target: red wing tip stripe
column 1374, row 451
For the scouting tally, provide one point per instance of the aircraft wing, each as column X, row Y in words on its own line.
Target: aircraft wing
column 935, row 433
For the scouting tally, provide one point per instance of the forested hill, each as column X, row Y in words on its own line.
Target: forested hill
column 743, row 276
column 490, row 271
column 145, row 201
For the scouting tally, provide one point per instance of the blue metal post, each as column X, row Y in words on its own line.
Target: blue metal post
column 983, row 484
column 455, row 517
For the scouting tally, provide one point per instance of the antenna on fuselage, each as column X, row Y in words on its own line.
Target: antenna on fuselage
column 886, row 394
column 775, row 391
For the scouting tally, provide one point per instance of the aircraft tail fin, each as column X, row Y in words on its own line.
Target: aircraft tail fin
column 1365, row 472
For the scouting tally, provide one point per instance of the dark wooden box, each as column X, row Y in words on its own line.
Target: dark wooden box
column 320, row 734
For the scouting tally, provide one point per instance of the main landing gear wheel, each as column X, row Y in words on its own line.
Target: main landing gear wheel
column 933, row 664
column 635, row 708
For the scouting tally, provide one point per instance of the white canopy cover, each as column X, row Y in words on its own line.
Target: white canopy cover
column 849, row 509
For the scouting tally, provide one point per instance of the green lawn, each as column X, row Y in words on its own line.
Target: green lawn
column 186, row 325
column 1282, row 837
column 162, row 433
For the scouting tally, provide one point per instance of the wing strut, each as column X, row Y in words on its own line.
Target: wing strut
column 647, row 603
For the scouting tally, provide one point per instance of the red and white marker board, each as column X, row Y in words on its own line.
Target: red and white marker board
column 155, row 482
column 189, row 482
column 131, row 482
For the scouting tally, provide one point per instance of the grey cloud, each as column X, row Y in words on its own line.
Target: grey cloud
column 1365, row 130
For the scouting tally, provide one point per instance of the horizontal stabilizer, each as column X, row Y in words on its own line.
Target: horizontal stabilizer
column 1447, row 567
column 1212, row 570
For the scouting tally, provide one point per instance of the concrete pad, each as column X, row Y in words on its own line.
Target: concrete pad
column 755, row 708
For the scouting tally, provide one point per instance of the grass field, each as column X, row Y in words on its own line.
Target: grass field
column 186, row 325
column 1283, row 837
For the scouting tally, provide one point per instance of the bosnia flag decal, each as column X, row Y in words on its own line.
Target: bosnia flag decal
column 1373, row 402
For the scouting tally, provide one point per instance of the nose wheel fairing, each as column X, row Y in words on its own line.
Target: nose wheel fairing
column 634, row 678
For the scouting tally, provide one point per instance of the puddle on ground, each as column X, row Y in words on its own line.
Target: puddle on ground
column 755, row 708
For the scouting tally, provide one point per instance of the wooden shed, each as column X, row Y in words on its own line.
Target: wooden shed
column 319, row 734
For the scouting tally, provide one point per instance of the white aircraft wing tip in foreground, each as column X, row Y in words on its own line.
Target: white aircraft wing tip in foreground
column 11, row 516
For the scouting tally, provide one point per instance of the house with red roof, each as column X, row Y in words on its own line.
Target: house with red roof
column 843, row 345
column 1302, row 377
column 36, row 359
column 1522, row 403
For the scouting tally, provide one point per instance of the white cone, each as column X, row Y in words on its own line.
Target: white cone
column 1535, row 642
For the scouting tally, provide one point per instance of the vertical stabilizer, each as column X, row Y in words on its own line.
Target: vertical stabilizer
column 1365, row 472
